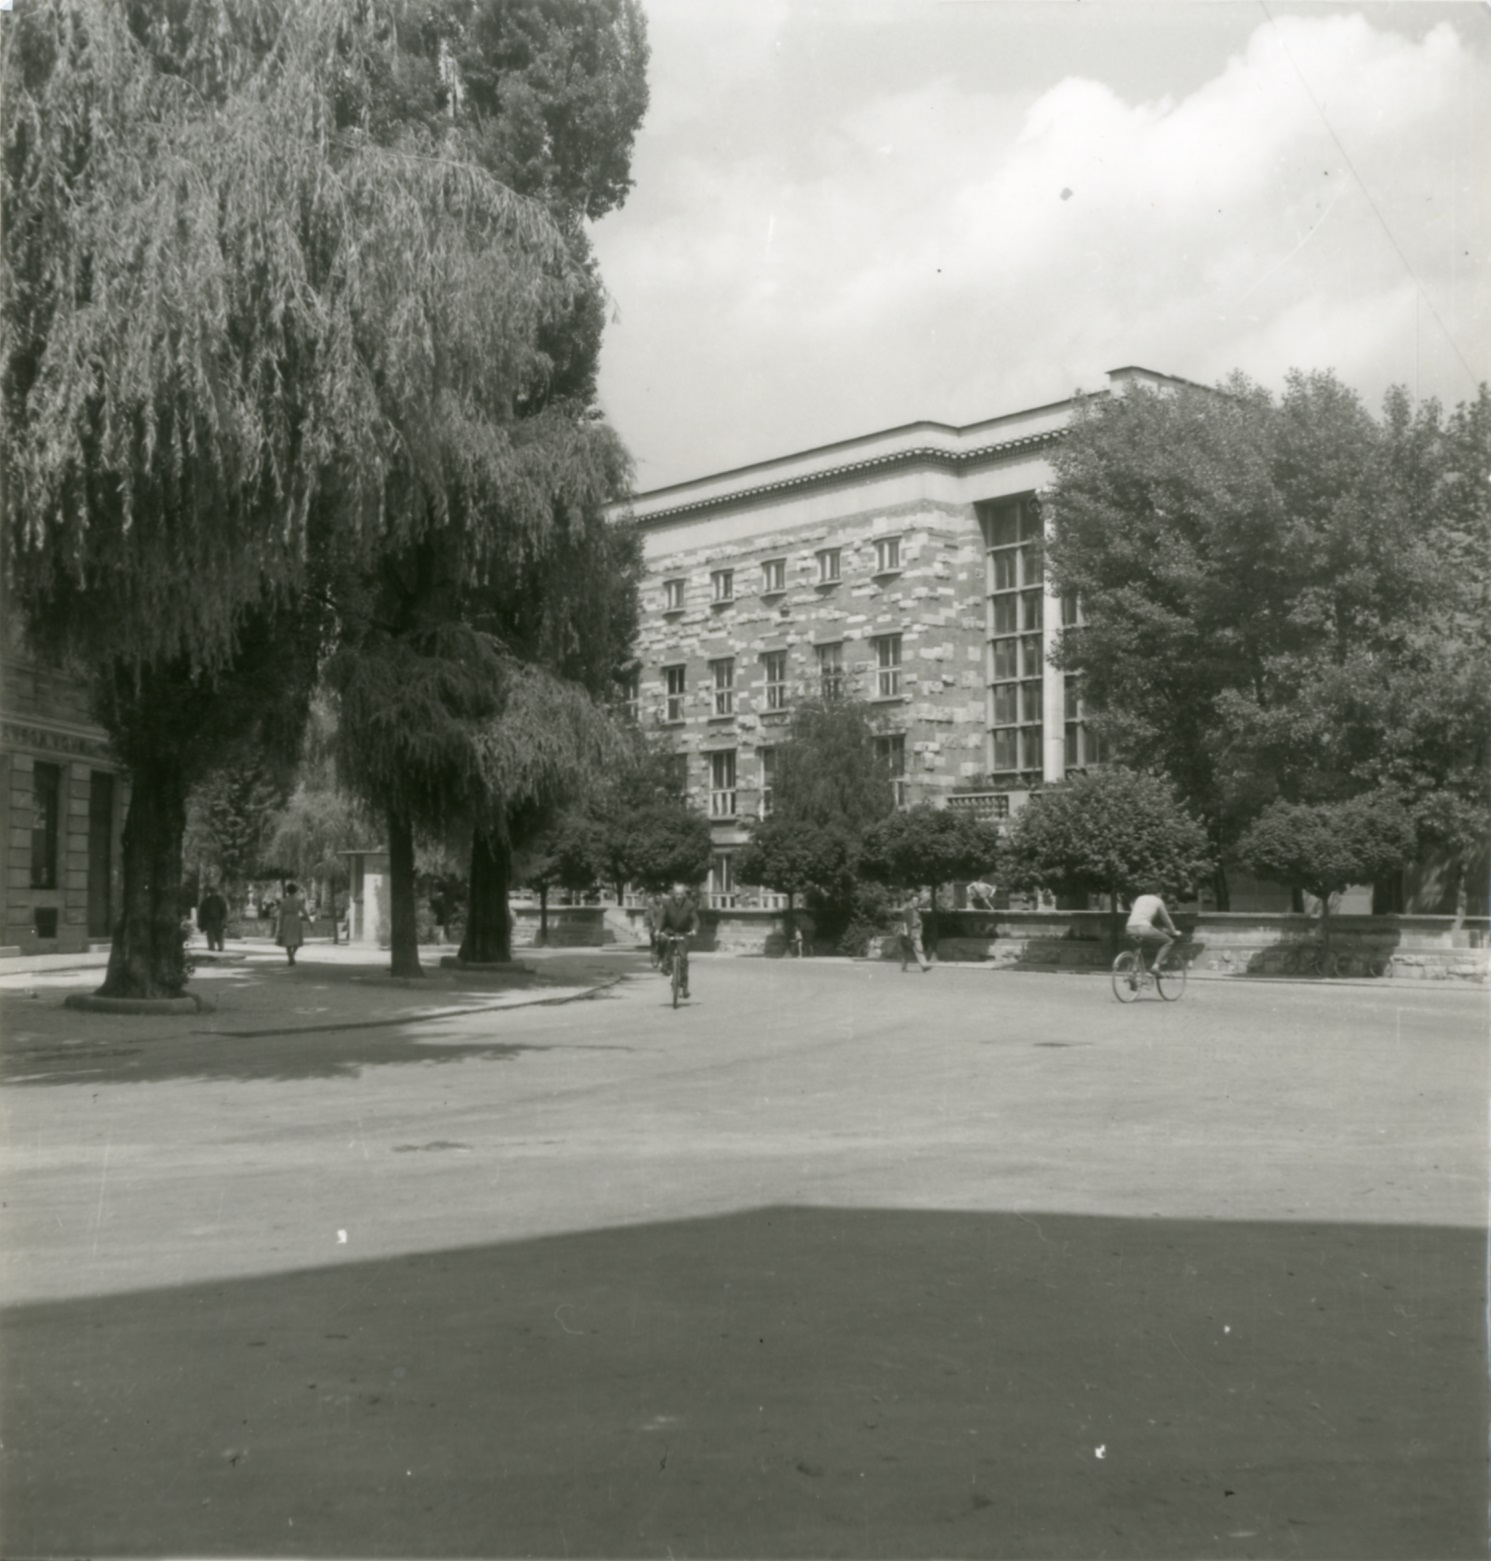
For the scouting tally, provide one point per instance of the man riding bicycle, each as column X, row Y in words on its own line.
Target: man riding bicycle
column 678, row 919
column 1150, row 926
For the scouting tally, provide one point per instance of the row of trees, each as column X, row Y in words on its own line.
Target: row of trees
column 1286, row 611
column 301, row 330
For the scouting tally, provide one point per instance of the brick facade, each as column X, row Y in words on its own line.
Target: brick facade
column 740, row 611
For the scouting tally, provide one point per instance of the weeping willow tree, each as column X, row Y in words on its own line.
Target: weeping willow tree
column 262, row 329
column 518, row 573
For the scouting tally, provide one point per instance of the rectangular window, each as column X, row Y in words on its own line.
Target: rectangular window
column 722, row 784
column 887, row 555
column 888, row 666
column 828, row 566
column 1083, row 746
column 831, row 669
column 631, row 695
column 774, row 664
column 672, row 595
column 721, row 882
column 773, row 576
column 722, row 674
column 722, row 585
column 1071, row 610
column 46, row 797
column 676, row 772
column 674, row 679
column 768, row 758
column 890, row 751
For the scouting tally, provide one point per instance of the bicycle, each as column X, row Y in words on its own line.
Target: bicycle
column 1168, row 974
column 674, row 964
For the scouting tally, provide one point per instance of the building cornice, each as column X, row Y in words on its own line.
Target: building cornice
column 920, row 455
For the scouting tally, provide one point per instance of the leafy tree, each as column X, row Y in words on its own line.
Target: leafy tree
column 568, row 854
column 926, row 847
column 796, row 856
column 253, row 328
column 547, row 96
column 1252, row 575
column 661, row 844
column 1323, row 847
column 828, row 771
column 1109, row 832
column 231, row 818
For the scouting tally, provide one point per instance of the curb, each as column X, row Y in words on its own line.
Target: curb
column 190, row 1003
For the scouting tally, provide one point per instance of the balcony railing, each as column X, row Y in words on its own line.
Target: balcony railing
column 722, row 804
column 991, row 806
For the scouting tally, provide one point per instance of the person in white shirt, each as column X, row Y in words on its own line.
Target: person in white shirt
column 1150, row 925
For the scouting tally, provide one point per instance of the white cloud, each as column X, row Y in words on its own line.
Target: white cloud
column 939, row 251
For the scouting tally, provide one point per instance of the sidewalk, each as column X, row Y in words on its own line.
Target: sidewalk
column 330, row 987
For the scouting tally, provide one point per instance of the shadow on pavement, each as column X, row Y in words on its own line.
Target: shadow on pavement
column 785, row 1382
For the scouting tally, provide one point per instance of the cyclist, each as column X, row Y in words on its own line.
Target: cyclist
column 1150, row 926
column 678, row 917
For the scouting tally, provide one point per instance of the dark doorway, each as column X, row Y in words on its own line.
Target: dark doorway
column 100, row 852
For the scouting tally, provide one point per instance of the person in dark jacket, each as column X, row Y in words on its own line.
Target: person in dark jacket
column 212, row 917
column 679, row 915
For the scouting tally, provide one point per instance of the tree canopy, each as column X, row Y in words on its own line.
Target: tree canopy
column 1279, row 598
column 926, row 847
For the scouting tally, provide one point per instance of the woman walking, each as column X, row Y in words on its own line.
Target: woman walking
column 291, row 932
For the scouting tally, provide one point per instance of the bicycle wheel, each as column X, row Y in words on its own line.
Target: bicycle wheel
column 1126, row 977
column 1170, row 976
column 677, row 977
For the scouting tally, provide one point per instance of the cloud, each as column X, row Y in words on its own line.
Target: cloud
column 940, row 251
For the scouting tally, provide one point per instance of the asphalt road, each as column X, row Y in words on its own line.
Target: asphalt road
column 833, row 1261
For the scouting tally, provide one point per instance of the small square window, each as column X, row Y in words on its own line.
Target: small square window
column 722, row 585
column 887, row 555
column 773, row 576
column 829, row 565
column 672, row 595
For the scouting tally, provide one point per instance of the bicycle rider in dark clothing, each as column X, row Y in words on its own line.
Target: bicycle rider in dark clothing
column 679, row 916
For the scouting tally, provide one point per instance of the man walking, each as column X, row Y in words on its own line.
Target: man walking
column 911, row 935
column 212, row 917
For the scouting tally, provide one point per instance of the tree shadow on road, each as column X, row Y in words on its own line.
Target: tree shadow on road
column 781, row 1382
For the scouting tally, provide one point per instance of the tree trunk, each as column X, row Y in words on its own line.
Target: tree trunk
column 543, row 916
column 488, row 939
column 403, row 918
column 1325, row 932
column 146, row 957
column 1117, row 921
column 1221, row 888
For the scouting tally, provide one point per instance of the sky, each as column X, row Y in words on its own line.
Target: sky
column 852, row 214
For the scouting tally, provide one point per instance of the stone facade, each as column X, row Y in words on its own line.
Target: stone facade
column 62, row 800
column 906, row 564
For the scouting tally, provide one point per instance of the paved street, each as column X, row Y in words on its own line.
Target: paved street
column 833, row 1261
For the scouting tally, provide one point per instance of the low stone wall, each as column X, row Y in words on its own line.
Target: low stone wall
column 1424, row 947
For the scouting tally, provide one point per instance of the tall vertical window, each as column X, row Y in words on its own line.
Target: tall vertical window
column 673, row 678
column 721, row 882
column 1016, row 590
column 676, row 774
column 46, row 797
column 774, row 665
column 722, row 784
column 1083, row 745
column 890, row 752
column 887, row 555
column 768, row 758
column 722, row 675
column 887, row 666
column 631, row 694
column 828, row 566
column 773, row 576
column 672, row 595
column 722, row 585
column 831, row 669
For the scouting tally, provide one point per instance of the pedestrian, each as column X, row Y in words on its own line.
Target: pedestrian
column 911, row 935
column 652, row 921
column 290, row 932
column 212, row 917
